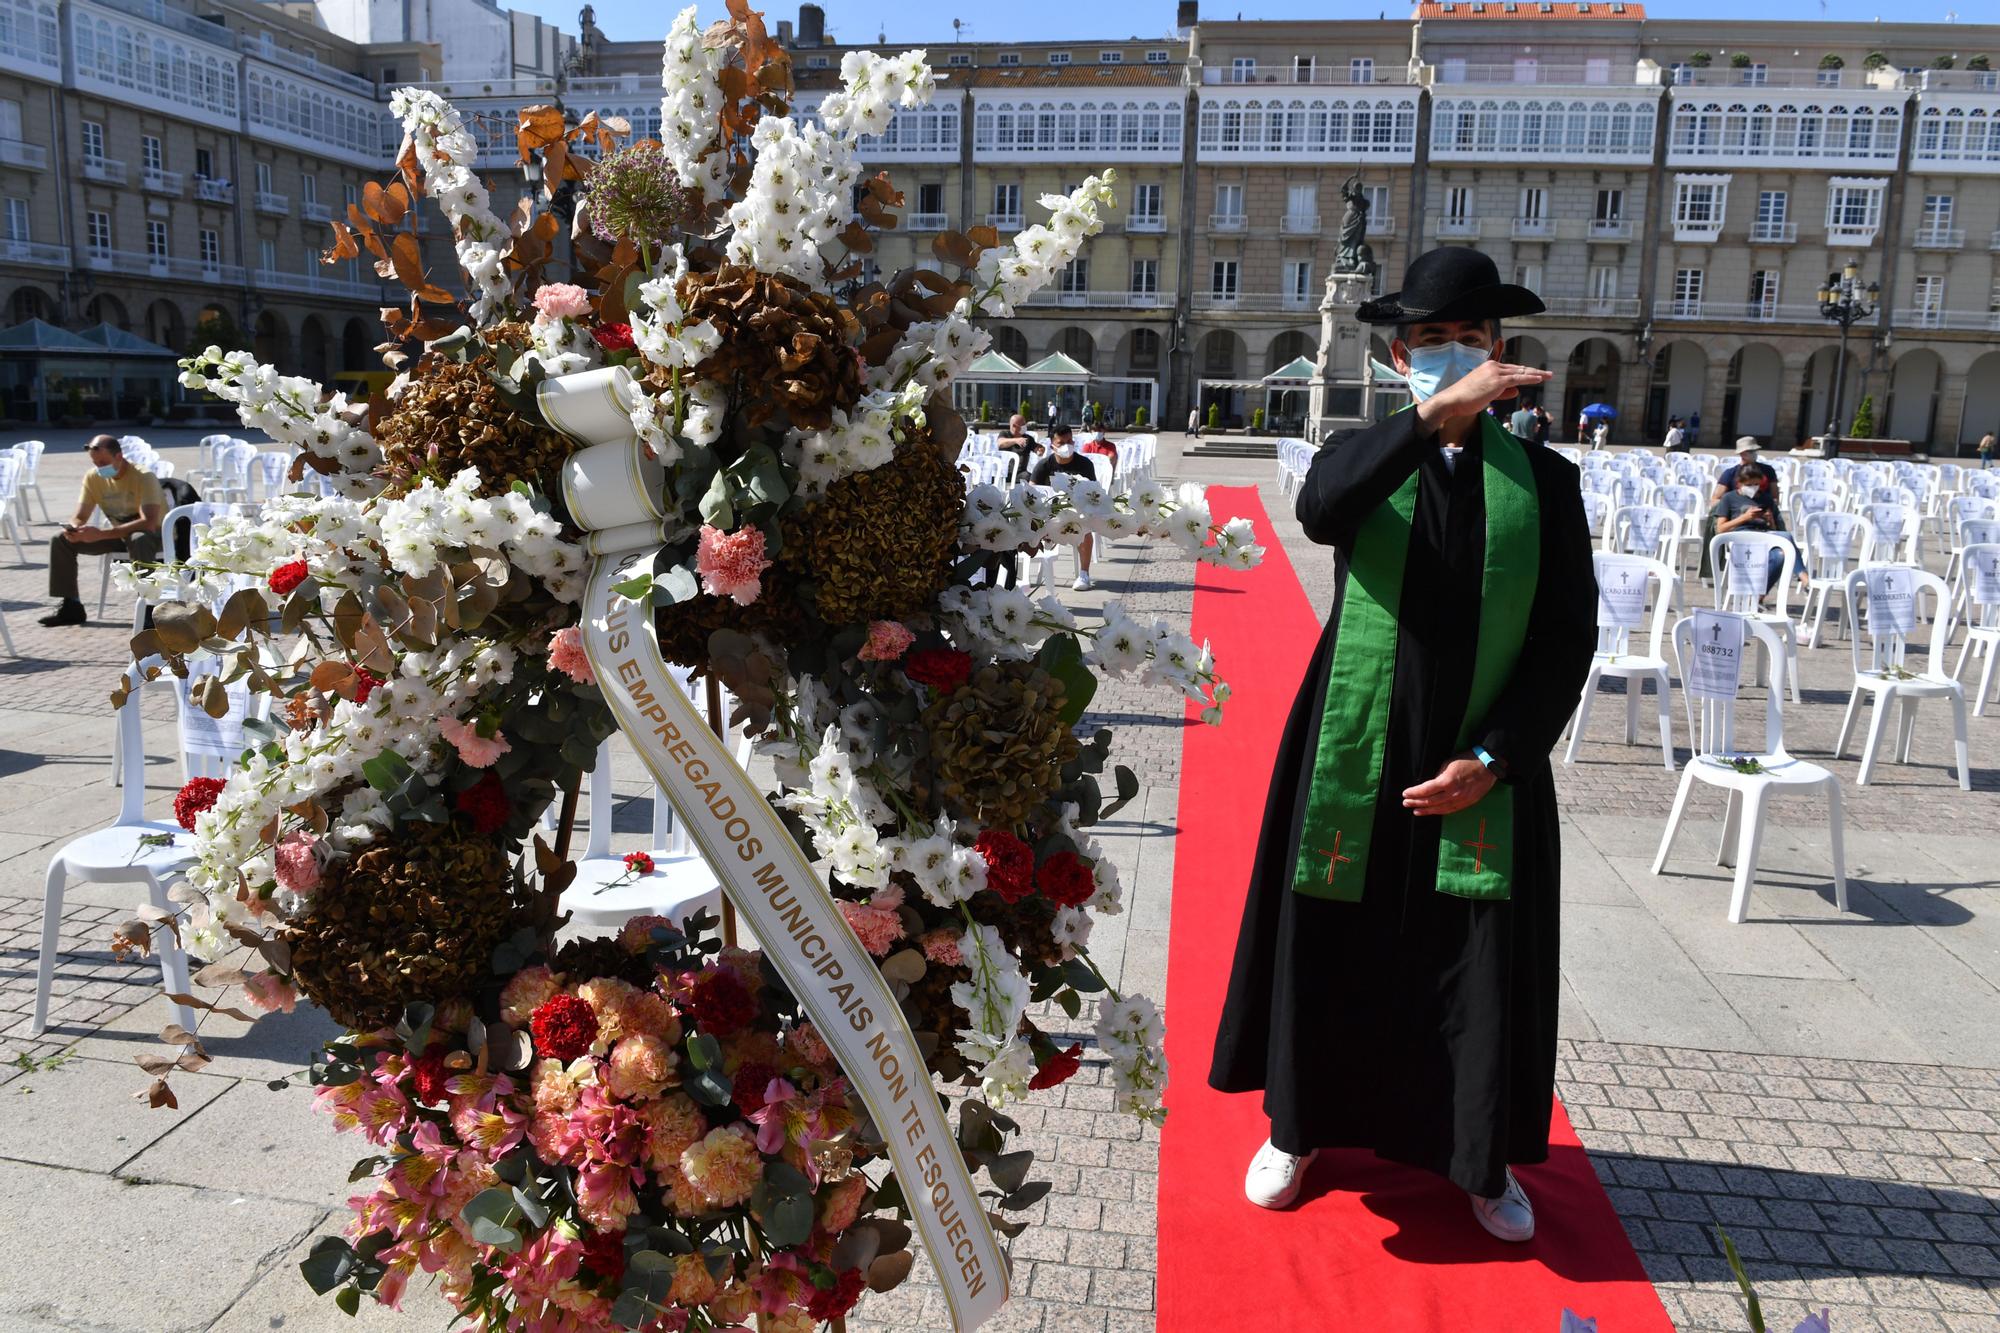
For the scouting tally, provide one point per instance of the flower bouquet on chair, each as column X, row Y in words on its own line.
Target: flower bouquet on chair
column 660, row 1129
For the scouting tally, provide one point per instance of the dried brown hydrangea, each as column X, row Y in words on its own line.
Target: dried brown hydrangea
column 785, row 347
column 415, row 916
column 998, row 744
column 879, row 544
column 451, row 416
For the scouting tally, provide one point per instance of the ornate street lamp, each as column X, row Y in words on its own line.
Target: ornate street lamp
column 1844, row 301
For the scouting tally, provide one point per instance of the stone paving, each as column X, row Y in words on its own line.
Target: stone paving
column 1822, row 1085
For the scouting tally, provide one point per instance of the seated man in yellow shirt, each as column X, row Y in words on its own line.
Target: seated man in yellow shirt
column 130, row 498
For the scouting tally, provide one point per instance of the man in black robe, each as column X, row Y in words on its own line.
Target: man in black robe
column 1413, row 1022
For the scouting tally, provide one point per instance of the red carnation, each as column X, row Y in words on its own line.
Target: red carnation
column 1065, row 880
column 485, row 803
column 720, row 1003
column 613, row 337
column 365, row 682
column 834, row 1302
column 1059, row 1069
column 751, row 1080
column 943, row 669
column 604, row 1254
column 1010, row 865
column 193, row 799
column 639, row 863
column 288, row 576
column 428, row 1075
column 564, row 1028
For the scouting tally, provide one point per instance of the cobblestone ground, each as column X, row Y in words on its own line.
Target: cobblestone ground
column 1866, row 1187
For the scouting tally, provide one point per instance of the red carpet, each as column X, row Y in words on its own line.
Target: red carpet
column 1372, row 1248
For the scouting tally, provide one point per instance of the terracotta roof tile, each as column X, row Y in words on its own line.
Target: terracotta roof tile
column 1529, row 9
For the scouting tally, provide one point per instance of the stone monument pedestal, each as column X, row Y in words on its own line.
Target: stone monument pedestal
column 1342, row 394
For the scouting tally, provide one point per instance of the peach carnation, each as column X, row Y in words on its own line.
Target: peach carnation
column 840, row 1204
column 876, row 927
column 806, row 1043
column 526, row 991
column 693, row 1284
column 640, row 1067
column 724, row 1167
column 941, row 946
column 731, row 564
column 673, row 1125
column 887, row 641
column 636, row 935
column 566, row 655
column 794, row 1320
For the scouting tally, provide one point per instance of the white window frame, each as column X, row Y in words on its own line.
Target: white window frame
column 1361, row 69
column 1010, row 57
column 1229, row 192
column 1765, row 284
column 1928, row 294
column 1144, row 278
column 152, row 153
column 267, row 254
column 1703, row 223
column 1603, row 288
column 1225, row 280
column 1148, row 203
column 1157, row 57
column 1610, row 204
column 93, row 141
column 1058, row 57
column 211, row 247
column 1687, row 289
column 1243, row 69
column 1854, row 209
column 18, row 221
column 1459, row 203
column 1110, row 57
column 1297, row 290
column 10, row 120
column 97, row 230
column 157, row 241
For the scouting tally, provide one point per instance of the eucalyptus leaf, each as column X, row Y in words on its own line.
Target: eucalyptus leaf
column 492, row 1215
column 329, row 1263
column 790, row 1221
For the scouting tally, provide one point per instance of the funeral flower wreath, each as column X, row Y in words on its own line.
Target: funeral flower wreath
column 645, row 1131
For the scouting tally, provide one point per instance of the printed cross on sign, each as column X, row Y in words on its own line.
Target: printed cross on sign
column 1480, row 847
column 1334, row 860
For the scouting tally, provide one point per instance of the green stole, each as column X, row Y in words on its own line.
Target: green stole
column 1476, row 844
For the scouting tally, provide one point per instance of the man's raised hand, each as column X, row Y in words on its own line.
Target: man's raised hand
column 1491, row 382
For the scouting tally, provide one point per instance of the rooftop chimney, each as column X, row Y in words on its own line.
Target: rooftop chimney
column 1187, row 13
column 812, row 25
column 784, row 32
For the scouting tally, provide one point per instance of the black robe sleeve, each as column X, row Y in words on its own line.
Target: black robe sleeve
column 1349, row 479
column 1528, row 718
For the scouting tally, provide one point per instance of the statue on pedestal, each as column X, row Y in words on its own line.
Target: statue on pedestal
column 1355, row 255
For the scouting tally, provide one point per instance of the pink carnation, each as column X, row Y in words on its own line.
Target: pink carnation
column 731, row 563
column 269, row 992
column 474, row 750
column 563, row 300
column 298, row 862
column 941, row 946
column 567, row 656
column 876, row 927
column 887, row 641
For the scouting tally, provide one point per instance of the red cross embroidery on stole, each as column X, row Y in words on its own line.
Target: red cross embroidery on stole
column 1334, row 860
column 1479, row 847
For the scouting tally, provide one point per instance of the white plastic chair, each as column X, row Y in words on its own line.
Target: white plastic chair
column 1898, row 534
column 232, row 472
column 1972, row 532
column 1740, row 588
column 1653, row 531
column 115, row 855
column 1615, row 656
column 32, row 451
column 1597, row 509
column 7, row 637
column 1832, row 544
column 1771, row 770
column 1962, row 510
column 10, row 506
column 1886, row 674
column 269, row 473
column 605, row 893
column 1979, row 572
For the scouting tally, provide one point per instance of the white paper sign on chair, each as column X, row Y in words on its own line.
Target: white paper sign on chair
column 1717, row 661
column 1985, row 580
column 1892, row 602
column 1747, row 575
column 1621, row 602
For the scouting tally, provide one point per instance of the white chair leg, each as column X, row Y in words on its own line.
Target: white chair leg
column 173, row 959
column 1751, row 841
column 1959, row 741
column 1838, row 838
column 1631, row 710
column 1847, row 723
column 103, row 583
column 1792, row 667
column 1732, row 814
column 1815, row 614
column 1581, row 718
column 1907, row 733
column 8, row 638
column 1660, row 689
column 1674, row 819
column 45, row 966
column 1885, row 704
column 1985, row 678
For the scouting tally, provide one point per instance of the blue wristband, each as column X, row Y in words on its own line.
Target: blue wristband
column 1480, row 753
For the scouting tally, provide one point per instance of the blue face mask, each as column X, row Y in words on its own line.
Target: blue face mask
column 1435, row 368
column 108, row 471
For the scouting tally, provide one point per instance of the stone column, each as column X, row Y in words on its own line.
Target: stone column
column 1788, row 429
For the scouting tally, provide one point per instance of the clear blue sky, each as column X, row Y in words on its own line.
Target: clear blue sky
column 928, row 22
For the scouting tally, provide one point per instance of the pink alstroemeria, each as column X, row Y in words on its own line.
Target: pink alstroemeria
column 772, row 1131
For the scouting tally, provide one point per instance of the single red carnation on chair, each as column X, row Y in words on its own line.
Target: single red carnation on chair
column 288, row 576
column 943, row 669
column 485, row 803
column 197, row 796
column 834, row 1302
column 1010, row 864
column 613, row 337
column 639, row 863
column 1065, row 880
column 564, row 1028
column 1061, row 1067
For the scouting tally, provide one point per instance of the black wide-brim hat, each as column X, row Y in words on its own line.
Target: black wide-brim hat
column 1449, row 283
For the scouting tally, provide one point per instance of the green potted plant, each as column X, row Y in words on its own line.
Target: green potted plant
column 1864, row 419
column 1874, row 60
column 1832, row 61
column 1944, row 62
column 1980, row 62
column 1139, row 419
column 985, row 410
column 1741, row 60
column 1701, row 60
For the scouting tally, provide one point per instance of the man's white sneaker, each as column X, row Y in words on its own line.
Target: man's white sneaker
column 1275, row 1177
column 1510, row 1217
column 1082, row 583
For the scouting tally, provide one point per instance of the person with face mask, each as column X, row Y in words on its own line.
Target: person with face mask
column 131, row 498
column 1394, row 985
column 1750, row 505
column 1063, row 457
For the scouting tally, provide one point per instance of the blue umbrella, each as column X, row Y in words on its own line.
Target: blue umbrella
column 1600, row 410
